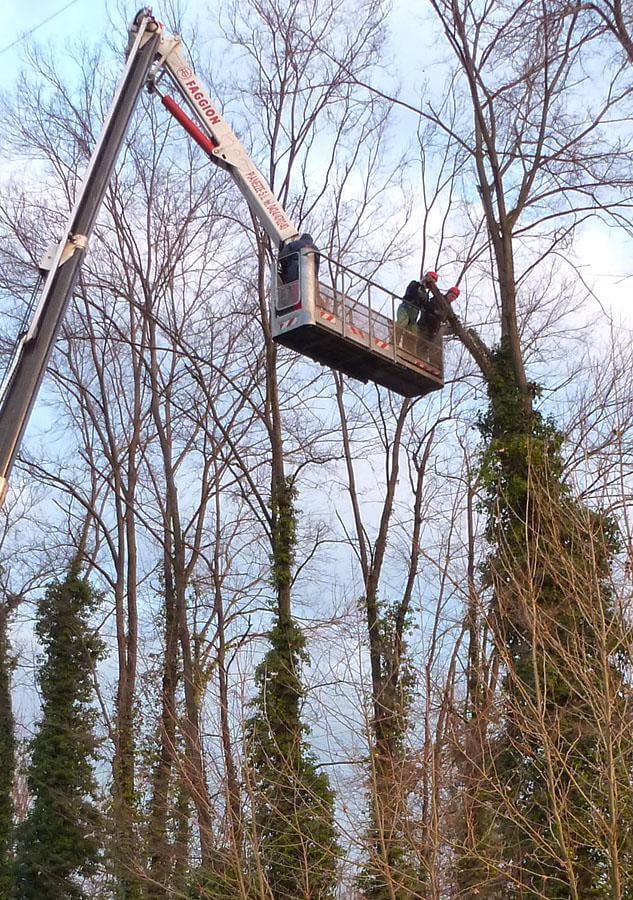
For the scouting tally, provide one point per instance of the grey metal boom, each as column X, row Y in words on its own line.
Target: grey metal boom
column 34, row 350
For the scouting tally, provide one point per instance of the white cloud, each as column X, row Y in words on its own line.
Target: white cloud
column 604, row 253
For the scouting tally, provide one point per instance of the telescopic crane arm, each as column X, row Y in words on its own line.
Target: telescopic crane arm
column 152, row 53
column 217, row 137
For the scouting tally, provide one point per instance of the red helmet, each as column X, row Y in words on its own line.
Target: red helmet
column 452, row 294
column 431, row 276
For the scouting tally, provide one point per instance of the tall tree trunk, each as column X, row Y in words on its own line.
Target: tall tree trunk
column 125, row 852
column 159, row 849
column 181, row 571
column 7, row 754
column 194, row 759
column 233, row 799
column 294, row 802
column 124, row 788
column 393, row 871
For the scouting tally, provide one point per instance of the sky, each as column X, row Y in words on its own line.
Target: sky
column 18, row 18
column 604, row 255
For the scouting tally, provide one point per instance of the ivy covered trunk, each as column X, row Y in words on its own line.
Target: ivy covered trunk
column 295, row 804
column 394, row 872
column 7, row 756
column 58, row 846
column 124, row 838
column 160, row 850
column 556, row 634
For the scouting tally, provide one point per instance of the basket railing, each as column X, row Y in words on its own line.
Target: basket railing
column 366, row 313
column 359, row 309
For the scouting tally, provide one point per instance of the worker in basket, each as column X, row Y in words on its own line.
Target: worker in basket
column 416, row 302
column 431, row 316
column 419, row 307
column 289, row 258
column 411, row 306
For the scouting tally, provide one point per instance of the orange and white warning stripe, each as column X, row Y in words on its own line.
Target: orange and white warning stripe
column 427, row 368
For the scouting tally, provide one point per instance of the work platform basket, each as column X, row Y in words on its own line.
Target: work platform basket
column 347, row 322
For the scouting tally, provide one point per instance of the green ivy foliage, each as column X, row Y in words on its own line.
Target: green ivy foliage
column 7, row 758
column 222, row 879
column 294, row 801
column 59, row 844
column 394, row 871
column 295, row 804
column 284, row 519
column 535, row 524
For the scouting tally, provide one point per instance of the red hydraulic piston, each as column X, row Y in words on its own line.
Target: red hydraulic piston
column 207, row 143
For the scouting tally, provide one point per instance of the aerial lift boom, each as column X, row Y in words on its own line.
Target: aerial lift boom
column 355, row 333
column 152, row 53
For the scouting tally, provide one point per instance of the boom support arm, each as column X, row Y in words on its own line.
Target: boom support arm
column 151, row 53
column 34, row 348
column 228, row 152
